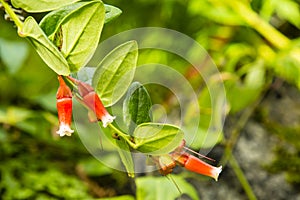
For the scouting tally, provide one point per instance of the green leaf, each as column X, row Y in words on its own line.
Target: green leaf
column 52, row 21
column 157, row 139
column 44, row 47
column 111, row 12
column 40, row 5
column 76, row 30
column 287, row 64
column 123, row 150
column 289, row 10
column 126, row 156
column 248, row 93
column 136, row 106
column 115, row 73
column 149, row 188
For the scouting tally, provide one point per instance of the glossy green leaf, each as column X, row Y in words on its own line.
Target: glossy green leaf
column 76, row 30
column 44, row 47
column 115, row 73
column 157, row 139
column 149, row 188
column 136, row 106
column 40, row 5
column 126, row 156
column 111, row 12
column 53, row 20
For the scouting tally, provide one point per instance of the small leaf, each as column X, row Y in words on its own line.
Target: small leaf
column 111, row 12
column 126, row 156
column 157, row 139
column 53, row 20
column 123, row 150
column 149, row 188
column 76, row 30
column 40, row 5
column 115, row 73
column 136, row 106
column 288, row 10
column 44, row 47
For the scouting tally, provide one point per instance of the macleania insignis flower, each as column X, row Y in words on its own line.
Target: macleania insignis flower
column 194, row 164
column 93, row 102
column 64, row 108
column 186, row 160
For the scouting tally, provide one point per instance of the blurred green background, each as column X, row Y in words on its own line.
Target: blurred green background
column 256, row 48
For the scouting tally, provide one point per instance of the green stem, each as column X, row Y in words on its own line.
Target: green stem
column 277, row 39
column 12, row 14
column 243, row 180
column 123, row 135
column 66, row 78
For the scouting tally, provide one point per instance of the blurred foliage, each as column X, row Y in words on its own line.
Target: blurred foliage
column 287, row 147
column 252, row 43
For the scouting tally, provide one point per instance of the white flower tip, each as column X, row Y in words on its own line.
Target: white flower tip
column 216, row 172
column 107, row 119
column 64, row 129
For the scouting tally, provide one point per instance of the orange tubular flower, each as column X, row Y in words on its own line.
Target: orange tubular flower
column 64, row 108
column 93, row 102
column 194, row 164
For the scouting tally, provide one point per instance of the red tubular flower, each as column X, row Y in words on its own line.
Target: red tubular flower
column 194, row 164
column 93, row 102
column 64, row 108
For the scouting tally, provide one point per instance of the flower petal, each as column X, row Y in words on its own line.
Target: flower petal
column 64, row 129
column 107, row 119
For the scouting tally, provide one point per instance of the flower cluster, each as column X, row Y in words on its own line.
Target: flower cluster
column 86, row 95
column 188, row 161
